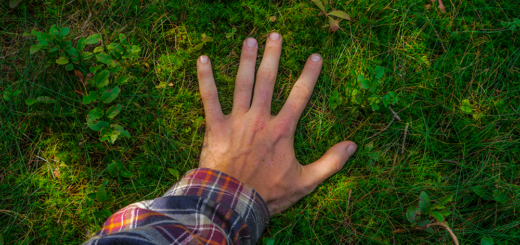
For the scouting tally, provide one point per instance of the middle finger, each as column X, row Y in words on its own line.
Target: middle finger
column 266, row 76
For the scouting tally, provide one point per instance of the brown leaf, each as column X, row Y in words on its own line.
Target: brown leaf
column 56, row 173
column 81, row 78
column 272, row 19
column 441, row 6
column 79, row 75
column 334, row 24
column 322, row 13
column 427, row 6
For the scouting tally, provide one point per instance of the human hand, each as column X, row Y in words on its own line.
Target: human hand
column 252, row 145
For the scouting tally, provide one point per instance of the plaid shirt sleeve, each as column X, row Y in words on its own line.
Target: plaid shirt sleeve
column 205, row 207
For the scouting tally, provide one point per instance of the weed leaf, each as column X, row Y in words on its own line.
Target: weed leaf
column 93, row 39
column 110, row 95
column 112, row 168
column 92, row 96
column 64, row 31
column 35, row 48
column 487, row 241
column 30, row 101
column 127, row 174
column 380, row 71
column 62, row 61
column 101, row 194
column 121, row 130
column 174, row 172
column 113, row 111
column 101, row 78
column 13, row 4
column 438, row 216
column 466, row 107
column 423, row 223
column 81, row 44
column 424, row 203
column 45, row 99
column 340, row 14
column 320, row 5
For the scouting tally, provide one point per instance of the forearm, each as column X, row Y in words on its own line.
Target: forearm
column 204, row 206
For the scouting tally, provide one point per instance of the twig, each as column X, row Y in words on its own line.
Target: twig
column 455, row 240
column 84, row 26
column 450, row 161
column 436, row 33
column 3, row 57
column 405, row 133
column 376, row 134
column 395, row 114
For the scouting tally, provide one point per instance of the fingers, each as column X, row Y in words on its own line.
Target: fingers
column 267, row 73
column 208, row 90
column 302, row 90
column 245, row 77
column 330, row 163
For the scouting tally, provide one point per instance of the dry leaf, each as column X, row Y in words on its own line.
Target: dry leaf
column 81, row 78
column 170, row 84
column 272, row 19
column 56, row 173
column 322, row 13
column 427, row 6
column 79, row 75
column 334, row 24
column 441, row 6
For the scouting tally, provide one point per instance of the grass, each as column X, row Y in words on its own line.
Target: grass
column 50, row 160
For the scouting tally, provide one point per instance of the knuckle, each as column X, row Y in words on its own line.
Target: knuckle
column 258, row 123
column 209, row 95
column 266, row 76
column 284, row 128
column 204, row 73
column 302, row 91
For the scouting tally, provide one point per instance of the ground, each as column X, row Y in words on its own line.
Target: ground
column 456, row 77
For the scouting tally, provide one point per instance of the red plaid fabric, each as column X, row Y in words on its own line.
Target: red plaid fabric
column 205, row 207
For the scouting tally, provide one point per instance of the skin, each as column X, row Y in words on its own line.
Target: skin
column 252, row 145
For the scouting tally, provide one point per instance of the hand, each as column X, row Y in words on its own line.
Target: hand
column 255, row 147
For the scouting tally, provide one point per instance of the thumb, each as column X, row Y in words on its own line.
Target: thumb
column 330, row 163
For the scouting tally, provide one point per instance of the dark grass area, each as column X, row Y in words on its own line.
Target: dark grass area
column 433, row 61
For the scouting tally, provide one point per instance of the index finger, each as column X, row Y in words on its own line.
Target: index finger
column 208, row 90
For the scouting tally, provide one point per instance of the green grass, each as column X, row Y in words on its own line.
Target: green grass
column 433, row 62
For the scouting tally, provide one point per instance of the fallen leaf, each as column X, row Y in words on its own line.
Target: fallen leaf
column 441, row 6
column 273, row 18
column 81, row 78
column 334, row 24
column 56, row 173
column 170, row 84
column 79, row 75
column 427, row 6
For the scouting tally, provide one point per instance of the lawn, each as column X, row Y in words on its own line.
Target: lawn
column 447, row 145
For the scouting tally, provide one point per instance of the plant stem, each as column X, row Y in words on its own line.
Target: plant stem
column 453, row 236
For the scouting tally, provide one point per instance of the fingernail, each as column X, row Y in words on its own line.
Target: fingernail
column 204, row 59
column 315, row 57
column 351, row 149
column 251, row 42
column 274, row 36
